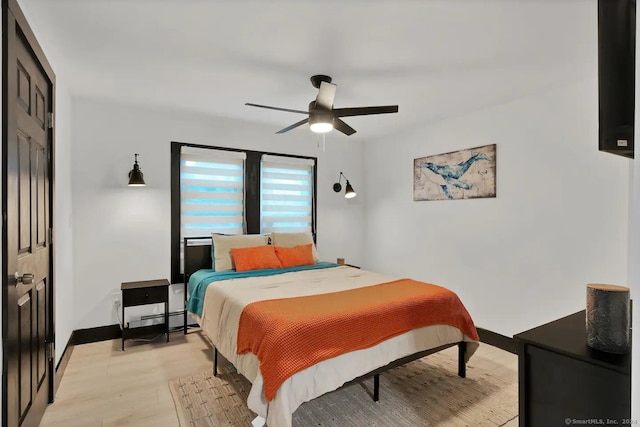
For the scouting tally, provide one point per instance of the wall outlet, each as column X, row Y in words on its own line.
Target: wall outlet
column 115, row 297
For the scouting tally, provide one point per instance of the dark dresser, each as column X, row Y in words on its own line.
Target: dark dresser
column 562, row 381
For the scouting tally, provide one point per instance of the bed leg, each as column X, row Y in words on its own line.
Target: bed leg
column 184, row 294
column 462, row 367
column 185, row 319
column 215, row 361
column 376, row 387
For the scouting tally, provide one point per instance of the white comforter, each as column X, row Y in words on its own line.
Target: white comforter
column 225, row 300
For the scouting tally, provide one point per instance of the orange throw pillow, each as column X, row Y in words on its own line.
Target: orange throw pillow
column 255, row 258
column 295, row 256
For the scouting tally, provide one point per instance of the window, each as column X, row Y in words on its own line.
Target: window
column 231, row 191
column 286, row 194
column 211, row 193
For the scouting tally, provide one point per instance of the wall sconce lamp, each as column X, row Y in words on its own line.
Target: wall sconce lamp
column 135, row 176
column 349, row 192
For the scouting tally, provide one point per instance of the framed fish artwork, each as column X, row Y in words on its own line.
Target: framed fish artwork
column 463, row 174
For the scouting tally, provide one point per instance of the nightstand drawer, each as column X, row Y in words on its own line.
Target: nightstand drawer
column 141, row 296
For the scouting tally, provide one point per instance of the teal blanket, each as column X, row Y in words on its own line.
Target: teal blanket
column 199, row 280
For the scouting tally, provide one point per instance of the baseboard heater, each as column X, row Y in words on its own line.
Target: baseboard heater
column 176, row 320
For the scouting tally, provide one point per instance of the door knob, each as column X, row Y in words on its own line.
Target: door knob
column 26, row 278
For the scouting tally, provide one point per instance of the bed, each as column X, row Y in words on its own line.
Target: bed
column 218, row 301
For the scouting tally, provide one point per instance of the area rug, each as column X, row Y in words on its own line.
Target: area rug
column 426, row 392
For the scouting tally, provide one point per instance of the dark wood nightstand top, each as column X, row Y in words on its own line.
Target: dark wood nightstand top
column 144, row 284
column 569, row 337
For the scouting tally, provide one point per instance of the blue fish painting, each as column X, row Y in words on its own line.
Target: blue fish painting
column 464, row 174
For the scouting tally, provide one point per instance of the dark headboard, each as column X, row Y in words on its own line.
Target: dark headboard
column 197, row 255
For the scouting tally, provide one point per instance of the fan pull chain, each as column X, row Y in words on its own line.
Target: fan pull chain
column 324, row 142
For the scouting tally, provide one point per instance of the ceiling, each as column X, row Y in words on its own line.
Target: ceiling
column 435, row 58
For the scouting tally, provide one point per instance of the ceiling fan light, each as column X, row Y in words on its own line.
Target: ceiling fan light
column 321, row 127
column 320, row 122
column 323, row 117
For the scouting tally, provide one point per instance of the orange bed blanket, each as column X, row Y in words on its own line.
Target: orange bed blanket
column 289, row 335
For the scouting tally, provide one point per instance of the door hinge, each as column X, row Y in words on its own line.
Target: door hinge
column 51, row 350
column 51, row 236
column 50, row 120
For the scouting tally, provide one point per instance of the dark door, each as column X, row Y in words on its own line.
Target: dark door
column 28, row 324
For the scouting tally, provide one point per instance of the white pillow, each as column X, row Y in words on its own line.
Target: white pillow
column 288, row 240
column 222, row 245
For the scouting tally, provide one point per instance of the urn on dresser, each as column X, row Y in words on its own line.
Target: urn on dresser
column 608, row 318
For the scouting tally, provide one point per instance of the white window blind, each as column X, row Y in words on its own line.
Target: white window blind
column 211, row 193
column 286, row 194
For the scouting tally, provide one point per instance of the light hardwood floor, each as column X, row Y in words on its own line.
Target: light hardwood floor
column 106, row 387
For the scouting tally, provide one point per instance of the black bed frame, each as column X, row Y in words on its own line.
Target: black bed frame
column 198, row 256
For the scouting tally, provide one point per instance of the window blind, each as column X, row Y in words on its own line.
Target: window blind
column 286, row 194
column 211, row 193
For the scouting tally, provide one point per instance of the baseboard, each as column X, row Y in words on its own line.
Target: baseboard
column 501, row 341
column 101, row 333
column 63, row 362
column 110, row 332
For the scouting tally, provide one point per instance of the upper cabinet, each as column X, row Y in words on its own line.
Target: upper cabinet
column 616, row 75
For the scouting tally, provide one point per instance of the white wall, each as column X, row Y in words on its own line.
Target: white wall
column 559, row 220
column 122, row 233
column 62, row 219
column 634, row 268
column 1, row 237
column 634, row 255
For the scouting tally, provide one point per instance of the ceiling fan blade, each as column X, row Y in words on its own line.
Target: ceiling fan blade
column 325, row 95
column 276, row 108
column 343, row 127
column 293, row 126
column 363, row 111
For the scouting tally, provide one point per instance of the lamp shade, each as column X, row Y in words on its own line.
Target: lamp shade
column 136, row 177
column 349, row 192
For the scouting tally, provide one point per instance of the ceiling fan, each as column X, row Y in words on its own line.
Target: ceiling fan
column 322, row 116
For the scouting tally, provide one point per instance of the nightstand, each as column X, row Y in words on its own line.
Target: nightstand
column 560, row 377
column 143, row 293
